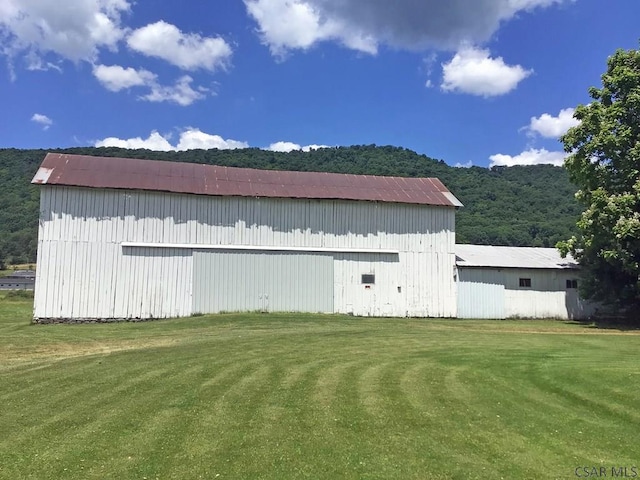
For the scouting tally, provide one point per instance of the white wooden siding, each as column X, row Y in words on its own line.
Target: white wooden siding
column 85, row 272
column 86, row 280
column 496, row 293
column 547, row 297
column 417, row 284
column 481, row 293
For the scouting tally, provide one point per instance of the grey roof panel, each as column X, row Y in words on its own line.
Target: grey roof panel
column 511, row 257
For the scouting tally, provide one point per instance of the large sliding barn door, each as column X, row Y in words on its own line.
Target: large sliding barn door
column 481, row 293
column 232, row 281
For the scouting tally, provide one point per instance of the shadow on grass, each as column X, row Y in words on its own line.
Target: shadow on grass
column 625, row 323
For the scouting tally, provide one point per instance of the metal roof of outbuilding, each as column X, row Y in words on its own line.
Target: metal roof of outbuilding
column 136, row 174
column 511, row 257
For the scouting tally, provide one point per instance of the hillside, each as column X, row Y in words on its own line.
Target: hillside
column 519, row 206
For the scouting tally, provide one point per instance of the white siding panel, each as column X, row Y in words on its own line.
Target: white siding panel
column 379, row 299
column 547, row 297
column 496, row 293
column 481, row 293
column 85, row 272
column 430, row 284
column 262, row 281
column 154, row 283
column 408, row 284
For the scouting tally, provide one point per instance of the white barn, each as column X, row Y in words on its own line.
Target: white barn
column 517, row 282
column 139, row 239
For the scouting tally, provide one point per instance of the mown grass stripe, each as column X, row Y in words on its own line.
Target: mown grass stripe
column 301, row 396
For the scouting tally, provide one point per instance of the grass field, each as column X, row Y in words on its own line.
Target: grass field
column 300, row 396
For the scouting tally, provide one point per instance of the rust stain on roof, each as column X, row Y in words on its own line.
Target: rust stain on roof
column 177, row 177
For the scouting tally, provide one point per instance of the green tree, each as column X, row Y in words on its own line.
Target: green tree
column 604, row 162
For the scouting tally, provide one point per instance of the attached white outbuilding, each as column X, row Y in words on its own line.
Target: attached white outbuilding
column 138, row 239
column 517, row 282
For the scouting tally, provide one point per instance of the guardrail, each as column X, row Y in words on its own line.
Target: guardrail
column 17, row 282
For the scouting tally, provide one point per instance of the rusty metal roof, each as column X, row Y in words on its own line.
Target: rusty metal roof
column 135, row 174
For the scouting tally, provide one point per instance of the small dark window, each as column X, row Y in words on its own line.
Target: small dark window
column 525, row 282
column 572, row 284
column 368, row 278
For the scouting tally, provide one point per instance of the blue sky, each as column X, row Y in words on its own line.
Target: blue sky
column 472, row 82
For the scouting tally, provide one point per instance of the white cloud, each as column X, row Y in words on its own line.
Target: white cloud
column 517, row 5
column 553, row 127
column 283, row 147
column 428, row 64
column 34, row 62
column 72, row 29
column 194, row 138
column 78, row 30
column 43, row 120
column 529, row 157
column 298, row 24
column 181, row 93
column 116, row 78
column 290, row 146
column 468, row 164
column 154, row 142
column 363, row 25
column 314, row 146
column 473, row 71
column 190, row 138
column 185, row 50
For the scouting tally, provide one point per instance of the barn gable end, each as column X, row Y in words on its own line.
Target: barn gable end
column 137, row 239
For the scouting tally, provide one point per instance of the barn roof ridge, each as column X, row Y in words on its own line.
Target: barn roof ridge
column 217, row 180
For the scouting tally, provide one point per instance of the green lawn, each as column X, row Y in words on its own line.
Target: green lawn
column 301, row 396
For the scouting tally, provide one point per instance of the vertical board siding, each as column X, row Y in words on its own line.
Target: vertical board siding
column 262, row 281
column 84, row 272
column 379, row 299
column 415, row 284
column 481, row 293
column 547, row 298
column 160, row 287
column 496, row 293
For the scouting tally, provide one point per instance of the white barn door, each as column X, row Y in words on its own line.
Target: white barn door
column 232, row 281
column 480, row 293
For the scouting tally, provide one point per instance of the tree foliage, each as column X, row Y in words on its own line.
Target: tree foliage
column 604, row 162
column 518, row 206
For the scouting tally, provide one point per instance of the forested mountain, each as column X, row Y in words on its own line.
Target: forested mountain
column 518, row 206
